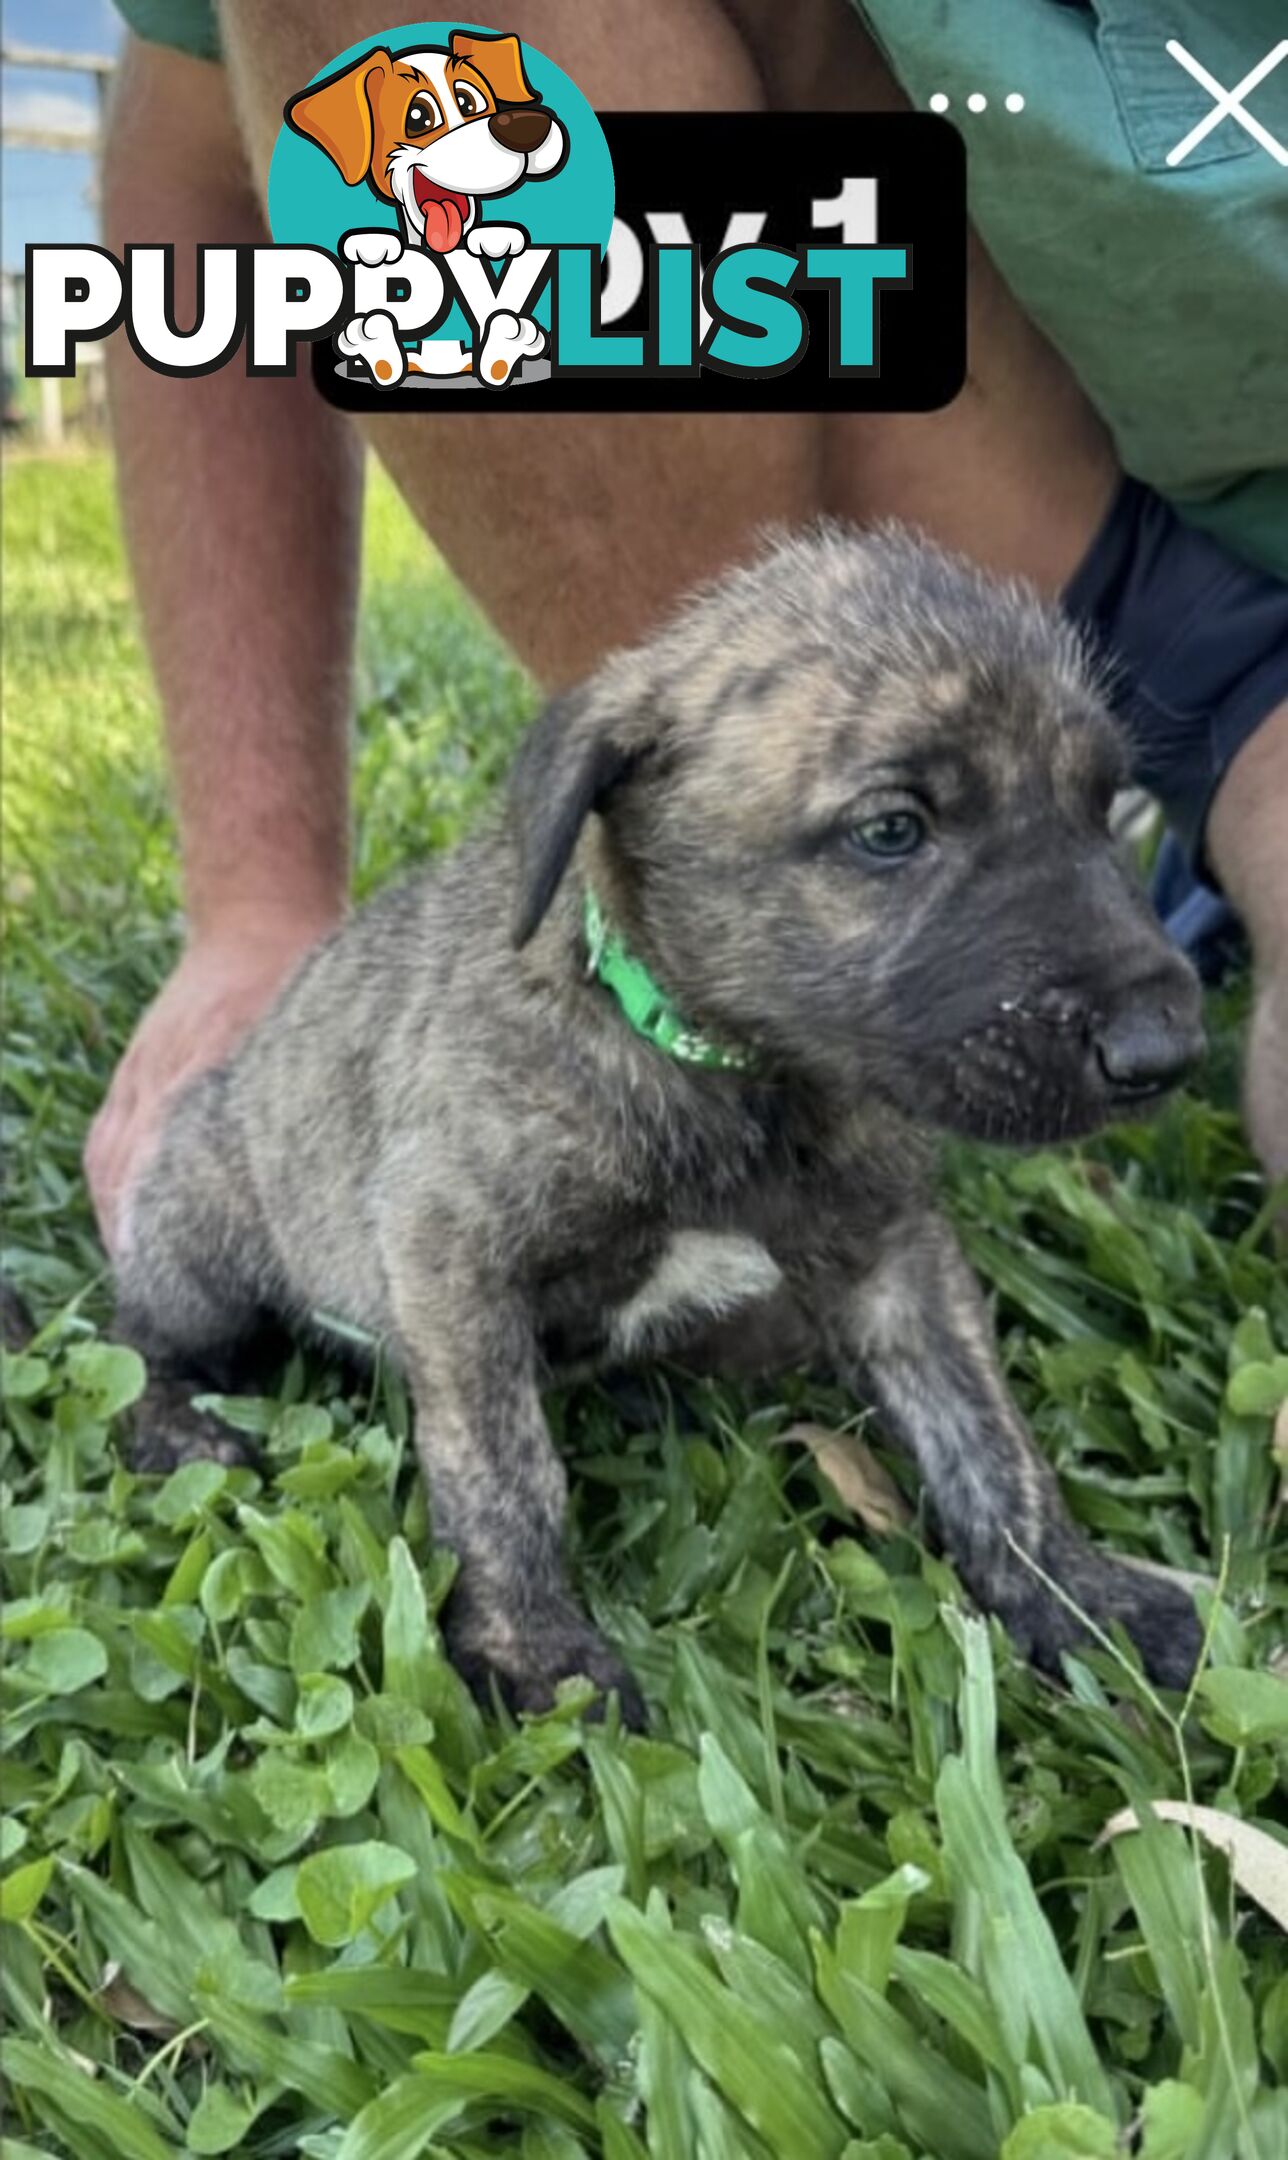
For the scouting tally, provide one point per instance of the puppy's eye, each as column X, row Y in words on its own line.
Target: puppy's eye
column 469, row 101
column 891, row 837
column 423, row 116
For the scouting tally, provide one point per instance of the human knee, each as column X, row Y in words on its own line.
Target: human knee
column 1245, row 839
column 675, row 57
column 172, row 158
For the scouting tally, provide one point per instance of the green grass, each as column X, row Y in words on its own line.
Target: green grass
column 273, row 1885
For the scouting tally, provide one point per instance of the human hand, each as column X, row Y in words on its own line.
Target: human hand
column 222, row 984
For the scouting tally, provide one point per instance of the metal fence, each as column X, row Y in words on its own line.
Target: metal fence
column 55, row 411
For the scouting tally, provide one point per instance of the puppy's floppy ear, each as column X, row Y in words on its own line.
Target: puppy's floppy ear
column 499, row 60
column 569, row 763
column 339, row 115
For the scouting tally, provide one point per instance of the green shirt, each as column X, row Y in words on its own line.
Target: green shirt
column 1165, row 287
column 186, row 26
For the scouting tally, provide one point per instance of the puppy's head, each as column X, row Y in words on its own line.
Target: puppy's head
column 852, row 810
column 432, row 130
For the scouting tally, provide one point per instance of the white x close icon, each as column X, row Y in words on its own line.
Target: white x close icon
column 1228, row 102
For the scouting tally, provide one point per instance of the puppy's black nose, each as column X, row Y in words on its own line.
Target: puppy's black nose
column 1152, row 1042
column 520, row 130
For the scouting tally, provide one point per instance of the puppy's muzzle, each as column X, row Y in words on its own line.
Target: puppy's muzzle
column 1153, row 1038
column 523, row 131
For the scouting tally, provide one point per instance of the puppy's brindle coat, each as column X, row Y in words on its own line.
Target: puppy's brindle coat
column 850, row 810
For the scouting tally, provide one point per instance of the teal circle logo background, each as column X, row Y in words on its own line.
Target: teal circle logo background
column 310, row 204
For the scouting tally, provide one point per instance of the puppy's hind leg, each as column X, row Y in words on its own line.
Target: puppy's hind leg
column 496, row 1484
column 192, row 1284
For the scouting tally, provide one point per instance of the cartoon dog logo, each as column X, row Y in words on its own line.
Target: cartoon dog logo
column 436, row 132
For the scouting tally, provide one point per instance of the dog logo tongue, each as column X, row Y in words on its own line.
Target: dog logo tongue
column 444, row 214
column 443, row 226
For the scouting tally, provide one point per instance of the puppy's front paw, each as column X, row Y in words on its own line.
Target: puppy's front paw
column 1158, row 1615
column 587, row 1656
column 528, row 1663
column 374, row 338
column 166, row 1431
column 372, row 248
column 508, row 340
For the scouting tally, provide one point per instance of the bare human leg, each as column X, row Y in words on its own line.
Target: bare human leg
column 632, row 513
column 1248, row 843
column 231, row 489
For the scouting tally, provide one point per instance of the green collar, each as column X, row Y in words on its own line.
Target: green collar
column 646, row 1005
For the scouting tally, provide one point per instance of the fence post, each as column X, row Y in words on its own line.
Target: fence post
column 89, row 139
column 51, row 412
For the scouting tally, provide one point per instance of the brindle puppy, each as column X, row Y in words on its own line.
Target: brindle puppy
column 850, row 810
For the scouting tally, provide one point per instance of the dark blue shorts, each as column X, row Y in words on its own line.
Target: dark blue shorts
column 1197, row 643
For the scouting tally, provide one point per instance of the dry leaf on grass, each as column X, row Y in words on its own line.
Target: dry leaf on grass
column 128, row 2007
column 1258, row 1862
column 850, row 1466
